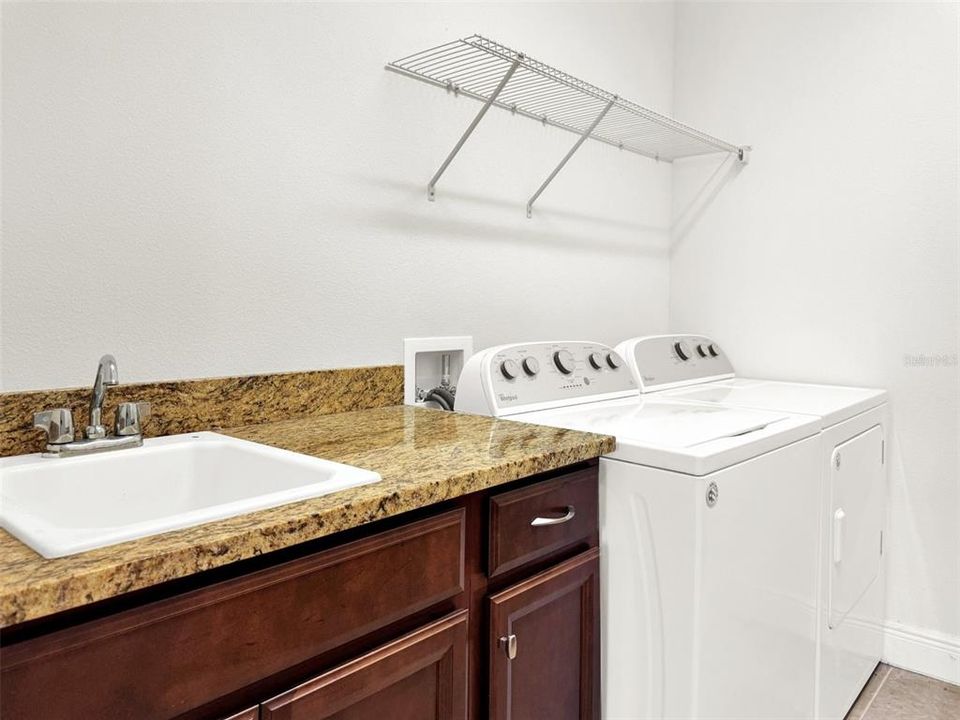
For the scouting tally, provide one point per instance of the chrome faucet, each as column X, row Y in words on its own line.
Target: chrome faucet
column 128, row 428
column 106, row 376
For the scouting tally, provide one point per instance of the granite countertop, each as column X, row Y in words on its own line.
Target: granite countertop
column 424, row 457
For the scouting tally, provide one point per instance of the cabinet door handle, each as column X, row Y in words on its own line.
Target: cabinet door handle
column 509, row 645
column 567, row 517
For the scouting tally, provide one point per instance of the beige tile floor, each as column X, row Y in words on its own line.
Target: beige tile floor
column 895, row 694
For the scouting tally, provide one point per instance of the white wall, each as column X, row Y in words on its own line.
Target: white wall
column 208, row 189
column 834, row 255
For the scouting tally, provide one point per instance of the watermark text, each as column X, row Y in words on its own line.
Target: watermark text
column 931, row 360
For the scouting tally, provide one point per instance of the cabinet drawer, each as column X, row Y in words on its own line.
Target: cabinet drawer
column 534, row 521
column 166, row 658
column 421, row 675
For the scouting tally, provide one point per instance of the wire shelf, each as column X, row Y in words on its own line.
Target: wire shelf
column 494, row 74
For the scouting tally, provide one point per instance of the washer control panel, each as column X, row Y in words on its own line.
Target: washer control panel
column 665, row 361
column 528, row 376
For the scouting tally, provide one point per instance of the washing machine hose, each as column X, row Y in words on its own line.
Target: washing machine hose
column 441, row 396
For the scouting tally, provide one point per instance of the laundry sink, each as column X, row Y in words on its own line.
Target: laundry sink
column 62, row 506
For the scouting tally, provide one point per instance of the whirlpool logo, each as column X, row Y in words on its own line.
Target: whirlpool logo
column 507, row 398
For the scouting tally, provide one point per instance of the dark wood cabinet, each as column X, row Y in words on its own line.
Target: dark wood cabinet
column 421, row 676
column 400, row 619
column 545, row 644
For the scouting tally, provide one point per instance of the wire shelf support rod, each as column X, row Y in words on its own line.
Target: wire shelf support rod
column 566, row 158
column 431, row 186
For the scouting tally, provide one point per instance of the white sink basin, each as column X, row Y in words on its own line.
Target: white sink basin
column 62, row 506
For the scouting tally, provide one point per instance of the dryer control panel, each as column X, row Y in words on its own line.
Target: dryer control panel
column 659, row 362
column 509, row 379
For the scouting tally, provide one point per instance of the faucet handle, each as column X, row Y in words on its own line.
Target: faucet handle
column 58, row 424
column 130, row 417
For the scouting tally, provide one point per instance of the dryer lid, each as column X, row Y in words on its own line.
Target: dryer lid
column 833, row 403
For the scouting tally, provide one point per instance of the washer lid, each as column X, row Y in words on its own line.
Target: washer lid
column 692, row 438
column 833, row 403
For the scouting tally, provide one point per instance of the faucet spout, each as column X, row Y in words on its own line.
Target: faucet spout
column 107, row 375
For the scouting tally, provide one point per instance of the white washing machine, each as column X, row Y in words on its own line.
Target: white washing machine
column 708, row 533
column 853, row 493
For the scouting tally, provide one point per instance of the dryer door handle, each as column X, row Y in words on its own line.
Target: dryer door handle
column 838, row 517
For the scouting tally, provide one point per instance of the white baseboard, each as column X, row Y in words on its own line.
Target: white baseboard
column 927, row 652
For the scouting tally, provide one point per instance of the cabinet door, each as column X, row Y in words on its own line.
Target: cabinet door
column 421, row 676
column 545, row 644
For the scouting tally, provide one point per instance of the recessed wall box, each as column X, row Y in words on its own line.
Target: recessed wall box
column 433, row 362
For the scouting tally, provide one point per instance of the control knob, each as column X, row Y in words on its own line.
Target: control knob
column 614, row 361
column 596, row 360
column 530, row 366
column 564, row 361
column 682, row 350
column 509, row 369
column 712, row 349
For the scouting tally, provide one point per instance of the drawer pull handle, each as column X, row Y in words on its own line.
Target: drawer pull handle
column 508, row 643
column 567, row 517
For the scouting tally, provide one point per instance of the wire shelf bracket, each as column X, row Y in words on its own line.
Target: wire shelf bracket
column 576, row 146
column 496, row 75
column 431, row 192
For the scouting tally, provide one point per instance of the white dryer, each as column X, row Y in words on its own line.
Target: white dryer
column 708, row 534
column 852, row 479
